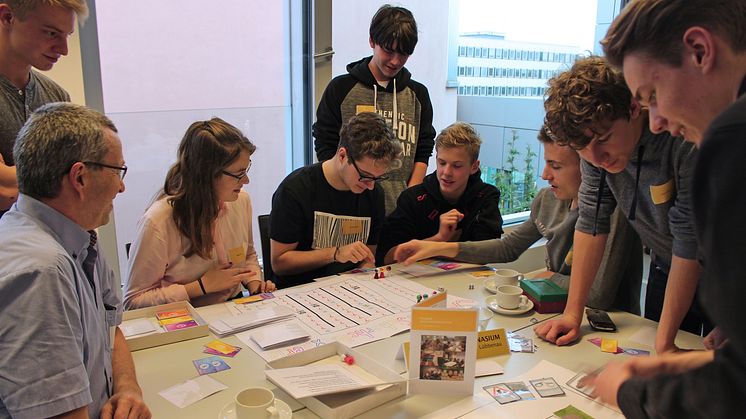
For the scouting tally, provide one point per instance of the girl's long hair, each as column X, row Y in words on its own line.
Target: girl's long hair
column 207, row 148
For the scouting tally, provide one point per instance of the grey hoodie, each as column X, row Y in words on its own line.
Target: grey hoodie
column 663, row 208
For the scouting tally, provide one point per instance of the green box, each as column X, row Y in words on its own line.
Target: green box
column 544, row 290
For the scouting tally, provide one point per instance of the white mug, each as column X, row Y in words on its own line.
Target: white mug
column 255, row 402
column 510, row 297
column 507, row 277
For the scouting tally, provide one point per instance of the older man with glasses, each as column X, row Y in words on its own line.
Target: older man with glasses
column 62, row 353
column 326, row 217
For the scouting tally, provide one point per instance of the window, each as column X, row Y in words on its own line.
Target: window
column 540, row 39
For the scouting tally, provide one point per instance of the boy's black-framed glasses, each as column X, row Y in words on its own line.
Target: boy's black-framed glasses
column 365, row 177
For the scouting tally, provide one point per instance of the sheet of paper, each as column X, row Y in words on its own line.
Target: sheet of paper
column 485, row 367
column 191, row 391
column 483, row 405
column 279, row 334
column 136, row 327
column 315, row 380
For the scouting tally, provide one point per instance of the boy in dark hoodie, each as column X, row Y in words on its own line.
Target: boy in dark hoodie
column 452, row 204
column 381, row 84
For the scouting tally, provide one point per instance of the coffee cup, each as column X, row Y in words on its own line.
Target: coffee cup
column 255, row 402
column 510, row 297
column 507, row 277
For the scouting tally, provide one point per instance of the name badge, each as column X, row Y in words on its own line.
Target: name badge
column 662, row 193
column 364, row 108
column 352, row 227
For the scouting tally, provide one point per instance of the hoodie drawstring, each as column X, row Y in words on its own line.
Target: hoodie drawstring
column 633, row 209
column 394, row 126
column 602, row 181
column 375, row 96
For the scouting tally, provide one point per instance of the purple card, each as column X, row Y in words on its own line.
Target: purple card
column 179, row 326
column 636, row 352
column 214, row 352
column 210, row 365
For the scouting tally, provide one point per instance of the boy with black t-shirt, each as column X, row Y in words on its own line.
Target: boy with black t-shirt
column 326, row 217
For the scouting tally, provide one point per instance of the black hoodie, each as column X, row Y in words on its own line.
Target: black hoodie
column 408, row 110
column 418, row 210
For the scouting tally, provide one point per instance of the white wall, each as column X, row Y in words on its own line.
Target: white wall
column 168, row 63
column 428, row 64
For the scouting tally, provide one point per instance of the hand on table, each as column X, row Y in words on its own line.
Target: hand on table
column 126, row 403
column 355, row 252
column 414, row 250
column 560, row 331
column 226, row 278
column 256, row 286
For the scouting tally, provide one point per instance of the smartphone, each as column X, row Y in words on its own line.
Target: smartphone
column 599, row 320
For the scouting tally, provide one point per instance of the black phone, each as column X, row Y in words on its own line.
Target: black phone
column 599, row 320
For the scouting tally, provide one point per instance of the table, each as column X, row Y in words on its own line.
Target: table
column 164, row 366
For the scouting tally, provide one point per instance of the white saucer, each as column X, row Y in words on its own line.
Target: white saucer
column 491, row 302
column 490, row 285
column 283, row 410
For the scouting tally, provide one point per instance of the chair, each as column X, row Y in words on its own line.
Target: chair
column 263, row 221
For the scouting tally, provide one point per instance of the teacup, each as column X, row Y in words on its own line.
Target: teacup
column 255, row 402
column 507, row 277
column 510, row 297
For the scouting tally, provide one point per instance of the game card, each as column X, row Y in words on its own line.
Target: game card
column 254, row 298
column 214, row 352
column 547, row 387
column 210, row 365
column 572, row 412
column 174, row 320
column 179, row 326
column 575, row 382
column 170, row 314
column 221, row 347
column 521, row 344
column 609, row 345
column 521, row 389
column 502, row 393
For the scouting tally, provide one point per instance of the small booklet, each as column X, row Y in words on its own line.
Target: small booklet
column 279, row 334
column 233, row 324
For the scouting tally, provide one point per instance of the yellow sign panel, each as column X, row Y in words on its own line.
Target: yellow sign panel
column 492, row 343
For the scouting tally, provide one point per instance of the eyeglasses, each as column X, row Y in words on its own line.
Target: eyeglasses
column 238, row 177
column 367, row 178
column 122, row 169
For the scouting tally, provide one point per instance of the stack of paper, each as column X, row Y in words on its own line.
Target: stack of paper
column 234, row 324
column 279, row 334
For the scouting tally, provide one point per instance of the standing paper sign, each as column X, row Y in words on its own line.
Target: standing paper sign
column 443, row 348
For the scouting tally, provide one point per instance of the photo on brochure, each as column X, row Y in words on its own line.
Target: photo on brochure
column 442, row 357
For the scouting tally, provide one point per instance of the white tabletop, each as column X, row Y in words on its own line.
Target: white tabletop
column 164, row 366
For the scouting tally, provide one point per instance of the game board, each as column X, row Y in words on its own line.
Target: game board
column 352, row 308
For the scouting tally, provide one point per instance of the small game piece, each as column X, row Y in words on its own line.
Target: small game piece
column 424, row 296
column 435, row 292
column 376, row 274
column 471, row 286
column 348, row 359
column 441, row 289
column 388, row 268
column 382, row 274
column 419, row 298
